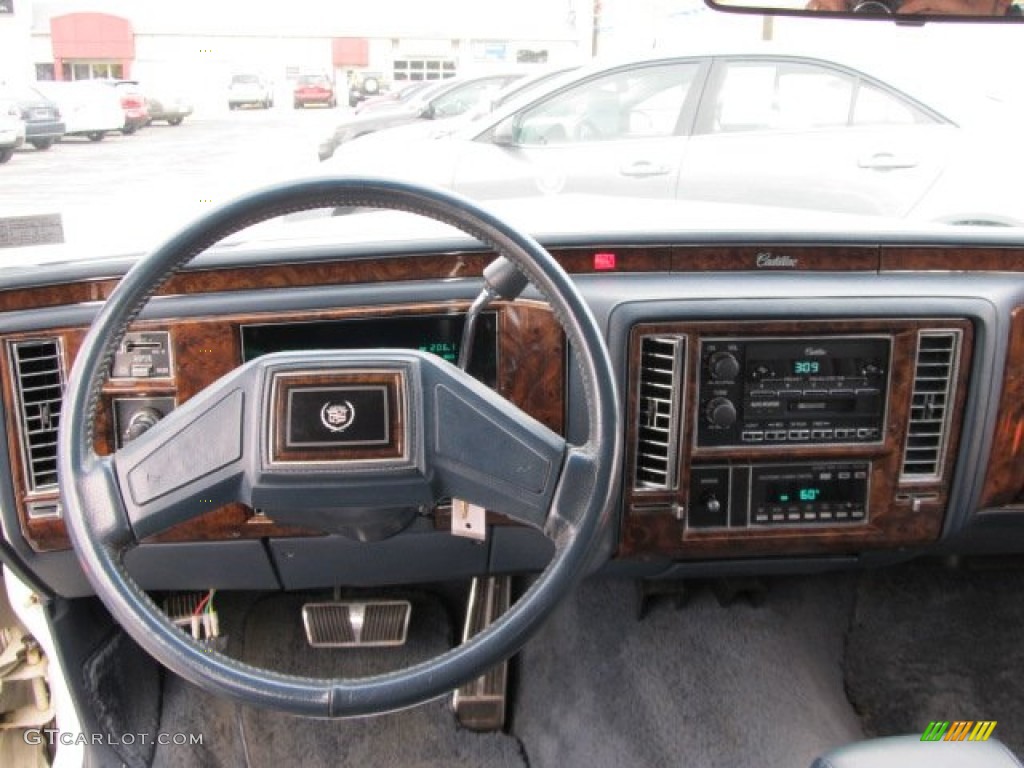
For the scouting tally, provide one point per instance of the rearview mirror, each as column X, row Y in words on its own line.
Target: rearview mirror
column 912, row 11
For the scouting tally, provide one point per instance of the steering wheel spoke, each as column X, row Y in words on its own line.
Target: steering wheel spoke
column 486, row 451
column 189, row 463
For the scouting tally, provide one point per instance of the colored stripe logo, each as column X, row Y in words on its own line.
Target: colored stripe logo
column 959, row 730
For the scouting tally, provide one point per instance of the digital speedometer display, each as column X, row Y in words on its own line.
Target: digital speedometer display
column 439, row 335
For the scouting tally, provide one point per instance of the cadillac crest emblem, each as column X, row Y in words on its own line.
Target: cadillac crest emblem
column 337, row 417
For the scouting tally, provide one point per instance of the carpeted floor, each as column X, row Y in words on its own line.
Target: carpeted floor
column 929, row 643
column 270, row 634
column 701, row 686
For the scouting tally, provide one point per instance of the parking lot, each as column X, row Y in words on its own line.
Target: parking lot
column 163, row 174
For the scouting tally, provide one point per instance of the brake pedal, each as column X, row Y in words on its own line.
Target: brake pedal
column 480, row 704
column 357, row 623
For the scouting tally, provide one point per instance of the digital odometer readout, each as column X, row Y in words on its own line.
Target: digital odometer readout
column 439, row 335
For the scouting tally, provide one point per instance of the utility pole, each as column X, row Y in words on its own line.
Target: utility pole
column 596, row 25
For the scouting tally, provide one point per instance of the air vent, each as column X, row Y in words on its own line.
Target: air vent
column 39, row 381
column 658, row 403
column 930, row 408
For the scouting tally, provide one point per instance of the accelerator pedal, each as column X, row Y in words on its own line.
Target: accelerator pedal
column 357, row 623
column 480, row 704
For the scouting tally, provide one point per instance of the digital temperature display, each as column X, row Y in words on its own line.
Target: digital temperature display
column 790, row 495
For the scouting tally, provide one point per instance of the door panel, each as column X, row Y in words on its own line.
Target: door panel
column 795, row 134
column 616, row 134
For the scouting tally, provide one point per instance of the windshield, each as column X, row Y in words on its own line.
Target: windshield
column 765, row 119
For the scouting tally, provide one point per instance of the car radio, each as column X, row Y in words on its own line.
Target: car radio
column 803, row 390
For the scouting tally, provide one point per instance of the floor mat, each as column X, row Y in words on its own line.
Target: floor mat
column 700, row 686
column 424, row 736
column 930, row 643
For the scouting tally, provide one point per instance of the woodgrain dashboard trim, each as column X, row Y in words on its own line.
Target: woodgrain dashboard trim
column 902, row 513
column 531, row 374
column 1004, row 481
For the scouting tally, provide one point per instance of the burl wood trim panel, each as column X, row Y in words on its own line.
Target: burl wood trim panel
column 531, row 374
column 393, row 383
column 1004, row 482
column 380, row 269
column 951, row 259
column 650, row 524
column 771, row 258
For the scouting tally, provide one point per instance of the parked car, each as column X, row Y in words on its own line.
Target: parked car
column 445, row 98
column 133, row 103
column 313, row 89
column 749, row 128
column 43, row 123
column 250, row 90
column 89, row 107
column 163, row 102
column 444, row 126
column 12, row 128
column 365, row 85
column 392, row 98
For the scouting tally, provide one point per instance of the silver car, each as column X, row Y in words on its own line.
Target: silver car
column 751, row 129
column 12, row 129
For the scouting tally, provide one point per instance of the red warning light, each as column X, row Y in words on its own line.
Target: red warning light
column 604, row 261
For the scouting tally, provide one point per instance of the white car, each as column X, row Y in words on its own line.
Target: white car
column 749, row 128
column 248, row 90
column 12, row 129
column 89, row 107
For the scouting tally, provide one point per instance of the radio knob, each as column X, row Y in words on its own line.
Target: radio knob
column 141, row 421
column 720, row 412
column 723, row 366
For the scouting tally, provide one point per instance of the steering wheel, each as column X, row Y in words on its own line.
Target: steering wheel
column 245, row 438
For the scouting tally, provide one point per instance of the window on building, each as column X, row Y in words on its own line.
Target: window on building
column 45, row 71
column 414, row 69
column 92, row 70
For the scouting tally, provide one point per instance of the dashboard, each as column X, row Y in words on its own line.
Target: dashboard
column 790, row 404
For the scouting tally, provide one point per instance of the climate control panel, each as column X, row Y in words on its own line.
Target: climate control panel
column 779, row 495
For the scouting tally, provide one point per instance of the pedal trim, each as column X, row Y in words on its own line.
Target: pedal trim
column 357, row 623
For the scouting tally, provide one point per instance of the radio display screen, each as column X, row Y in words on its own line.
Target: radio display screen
column 439, row 335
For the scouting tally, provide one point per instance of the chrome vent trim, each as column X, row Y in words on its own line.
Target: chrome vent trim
column 938, row 360
column 659, row 388
column 38, row 371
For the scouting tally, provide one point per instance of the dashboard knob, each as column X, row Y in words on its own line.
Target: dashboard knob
column 723, row 366
column 720, row 412
column 712, row 504
column 141, row 421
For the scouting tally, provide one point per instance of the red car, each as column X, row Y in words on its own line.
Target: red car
column 314, row 89
column 133, row 102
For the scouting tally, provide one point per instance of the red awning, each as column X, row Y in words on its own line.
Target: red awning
column 92, row 36
column 350, row 51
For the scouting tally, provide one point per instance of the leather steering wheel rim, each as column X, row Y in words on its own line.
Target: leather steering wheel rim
column 101, row 532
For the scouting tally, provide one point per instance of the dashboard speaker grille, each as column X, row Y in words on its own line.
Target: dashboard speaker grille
column 658, row 402
column 39, row 381
column 938, row 355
